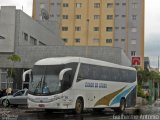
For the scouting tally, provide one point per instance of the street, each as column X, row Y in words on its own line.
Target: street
column 21, row 113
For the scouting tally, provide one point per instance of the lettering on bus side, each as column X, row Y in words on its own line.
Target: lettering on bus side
column 95, row 85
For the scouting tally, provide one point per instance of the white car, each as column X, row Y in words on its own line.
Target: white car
column 18, row 98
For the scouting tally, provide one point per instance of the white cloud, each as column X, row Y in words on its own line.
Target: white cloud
column 152, row 24
column 152, row 17
column 27, row 5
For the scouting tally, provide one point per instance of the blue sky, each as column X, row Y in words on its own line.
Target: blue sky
column 152, row 24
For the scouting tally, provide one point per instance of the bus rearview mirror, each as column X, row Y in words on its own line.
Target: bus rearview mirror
column 62, row 73
column 25, row 73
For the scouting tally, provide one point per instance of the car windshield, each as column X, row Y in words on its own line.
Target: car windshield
column 45, row 80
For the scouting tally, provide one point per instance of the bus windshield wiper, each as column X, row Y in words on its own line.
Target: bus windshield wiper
column 39, row 84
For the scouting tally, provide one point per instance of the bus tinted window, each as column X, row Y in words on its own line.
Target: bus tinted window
column 95, row 72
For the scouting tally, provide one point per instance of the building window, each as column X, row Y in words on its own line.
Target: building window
column 123, row 16
column 78, row 5
column 96, row 5
column 124, row 4
column 134, row 5
column 117, row 4
column 134, row 17
column 65, row 5
column 65, row 40
column 51, row 15
column 25, row 36
column 51, row 3
column 1, row 37
column 109, row 29
column 123, row 40
column 109, row 17
column 96, row 17
column 78, row 16
column 133, row 53
column 116, row 16
column 123, row 28
column 77, row 28
column 77, row 40
column 116, row 28
column 41, row 43
column 109, row 5
column 108, row 40
column 133, row 29
column 33, row 41
column 133, row 41
column 96, row 28
column 116, row 40
column 96, row 40
column 58, row 3
column 3, row 79
column 64, row 28
column 65, row 16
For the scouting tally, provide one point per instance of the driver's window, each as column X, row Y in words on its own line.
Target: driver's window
column 20, row 93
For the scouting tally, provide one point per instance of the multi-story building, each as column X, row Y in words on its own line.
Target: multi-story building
column 27, row 38
column 115, row 23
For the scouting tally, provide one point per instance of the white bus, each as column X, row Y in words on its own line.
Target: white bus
column 80, row 83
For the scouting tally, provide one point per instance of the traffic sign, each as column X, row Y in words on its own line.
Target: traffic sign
column 136, row 61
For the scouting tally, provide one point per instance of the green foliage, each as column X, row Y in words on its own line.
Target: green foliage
column 144, row 76
column 140, row 92
column 13, row 58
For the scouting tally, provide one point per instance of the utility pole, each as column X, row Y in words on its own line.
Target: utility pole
column 87, row 37
column 158, row 63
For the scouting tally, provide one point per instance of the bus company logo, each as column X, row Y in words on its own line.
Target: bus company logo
column 136, row 61
column 95, row 85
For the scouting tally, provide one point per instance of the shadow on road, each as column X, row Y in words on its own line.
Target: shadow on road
column 41, row 115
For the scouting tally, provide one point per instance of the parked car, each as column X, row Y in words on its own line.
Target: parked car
column 18, row 98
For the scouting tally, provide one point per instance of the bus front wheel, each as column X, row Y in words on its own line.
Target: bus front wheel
column 79, row 106
column 122, row 106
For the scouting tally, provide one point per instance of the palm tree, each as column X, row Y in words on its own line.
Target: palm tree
column 11, row 71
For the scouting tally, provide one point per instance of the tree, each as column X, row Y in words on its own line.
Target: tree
column 11, row 71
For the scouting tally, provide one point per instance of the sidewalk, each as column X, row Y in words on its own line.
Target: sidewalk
column 141, row 101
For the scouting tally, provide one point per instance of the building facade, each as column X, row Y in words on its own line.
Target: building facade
column 23, row 36
column 17, row 29
column 115, row 23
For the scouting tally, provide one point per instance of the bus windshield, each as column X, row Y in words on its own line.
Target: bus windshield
column 45, row 80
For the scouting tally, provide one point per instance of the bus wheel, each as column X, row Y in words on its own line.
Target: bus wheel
column 79, row 106
column 122, row 105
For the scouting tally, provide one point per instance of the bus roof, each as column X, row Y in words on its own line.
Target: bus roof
column 65, row 60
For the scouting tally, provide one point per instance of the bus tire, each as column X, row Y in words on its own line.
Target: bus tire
column 122, row 106
column 79, row 106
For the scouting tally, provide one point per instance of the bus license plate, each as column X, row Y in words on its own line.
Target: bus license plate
column 41, row 105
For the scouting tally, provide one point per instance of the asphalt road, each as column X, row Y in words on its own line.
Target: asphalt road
column 148, row 112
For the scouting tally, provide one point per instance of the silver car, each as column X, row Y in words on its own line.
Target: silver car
column 18, row 98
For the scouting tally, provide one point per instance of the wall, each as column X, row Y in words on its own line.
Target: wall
column 30, row 54
column 7, row 29
column 34, row 29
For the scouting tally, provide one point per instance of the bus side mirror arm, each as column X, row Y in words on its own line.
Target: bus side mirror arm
column 62, row 73
column 24, row 74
